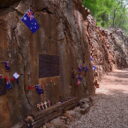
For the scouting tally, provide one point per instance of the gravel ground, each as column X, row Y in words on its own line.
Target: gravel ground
column 110, row 109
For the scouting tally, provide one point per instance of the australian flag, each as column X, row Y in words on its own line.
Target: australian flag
column 30, row 21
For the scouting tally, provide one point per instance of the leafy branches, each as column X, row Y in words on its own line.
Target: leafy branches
column 109, row 13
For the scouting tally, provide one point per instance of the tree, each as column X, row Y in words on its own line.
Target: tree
column 109, row 13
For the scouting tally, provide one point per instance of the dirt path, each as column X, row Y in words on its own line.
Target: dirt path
column 110, row 108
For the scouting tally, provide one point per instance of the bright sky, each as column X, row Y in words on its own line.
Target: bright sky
column 126, row 1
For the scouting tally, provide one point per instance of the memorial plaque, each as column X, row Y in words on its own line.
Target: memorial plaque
column 48, row 66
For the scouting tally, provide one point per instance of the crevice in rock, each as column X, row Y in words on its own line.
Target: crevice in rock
column 17, row 11
column 46, row 10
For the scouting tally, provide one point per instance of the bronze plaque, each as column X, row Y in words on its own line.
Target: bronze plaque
column 48, row 66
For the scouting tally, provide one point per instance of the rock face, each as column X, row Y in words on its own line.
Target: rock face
column 100, row 48
column 66, row 30
column 108, row 48
column 120, row 47
column 61, row 33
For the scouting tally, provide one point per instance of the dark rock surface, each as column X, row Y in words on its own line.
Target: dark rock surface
column 7, row 3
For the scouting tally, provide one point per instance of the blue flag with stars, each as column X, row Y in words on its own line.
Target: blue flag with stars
column 30, row 21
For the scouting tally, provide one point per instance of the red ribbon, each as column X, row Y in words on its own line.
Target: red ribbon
column 30, row 87
column 12, row 79
column 6, row 78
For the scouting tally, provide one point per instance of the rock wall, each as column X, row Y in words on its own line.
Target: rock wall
column 61, row 33
column 108, row 48
column 120, row 47
column 66, row 30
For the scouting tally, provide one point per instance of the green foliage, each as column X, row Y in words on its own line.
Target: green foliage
column 109, row 13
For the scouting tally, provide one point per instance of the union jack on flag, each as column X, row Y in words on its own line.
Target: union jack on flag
column 29, row 20
column 30, row 14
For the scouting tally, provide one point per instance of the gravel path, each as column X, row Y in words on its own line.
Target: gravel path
column 110, row 109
